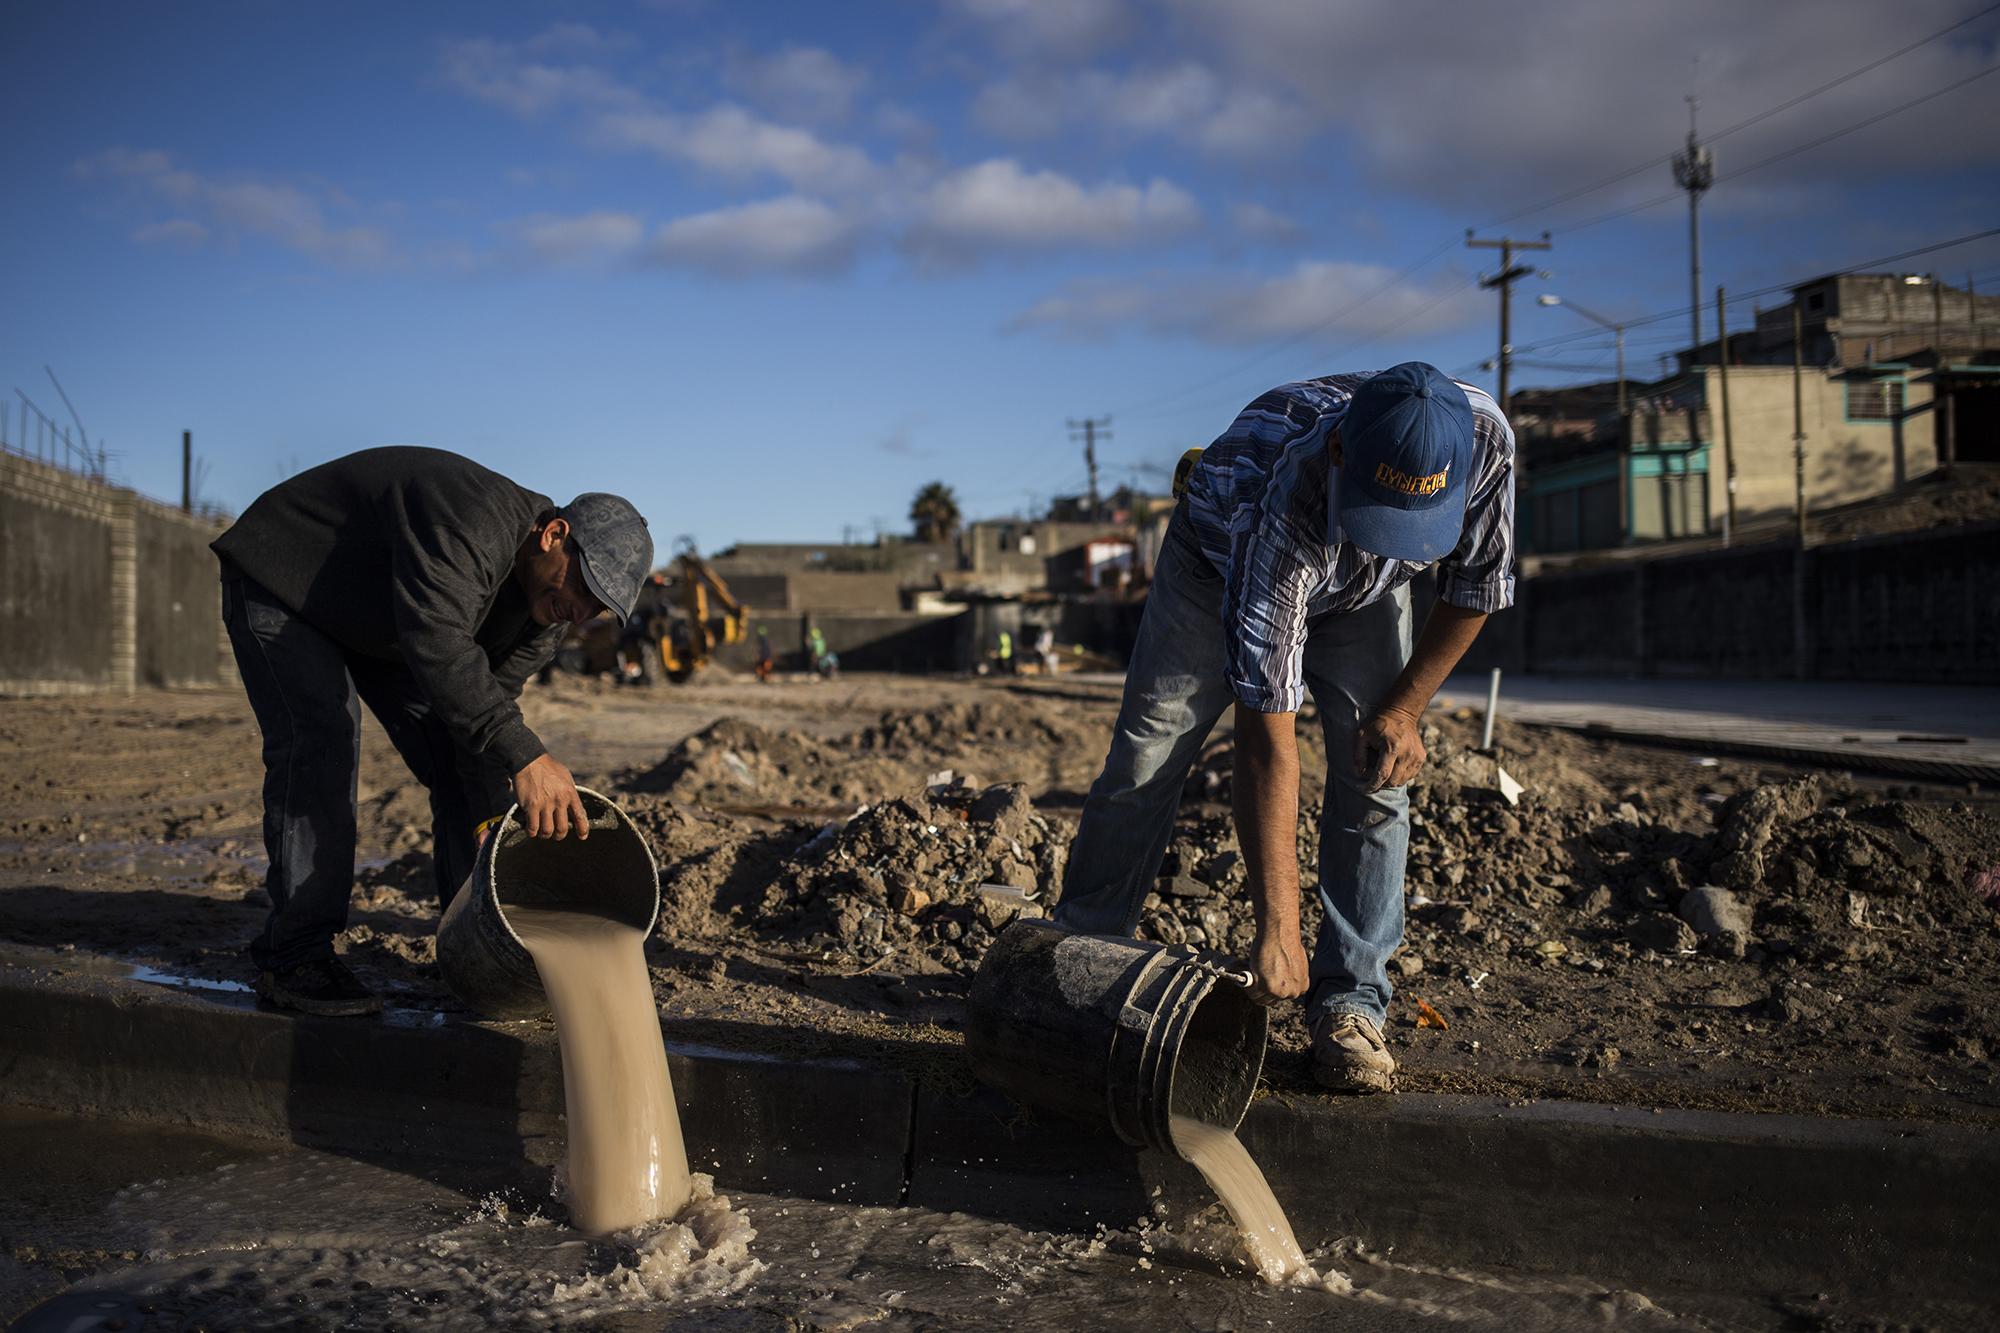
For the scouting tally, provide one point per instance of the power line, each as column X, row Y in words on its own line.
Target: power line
column 1877, row 118
column 1408, row 316
column 1503, row 281
column 1861, row 124
column 1665, row 158
column 1293, row 339
column 1090, row 428
column 1660, row 317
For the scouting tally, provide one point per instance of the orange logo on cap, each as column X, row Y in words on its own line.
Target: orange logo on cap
column 1408, row 484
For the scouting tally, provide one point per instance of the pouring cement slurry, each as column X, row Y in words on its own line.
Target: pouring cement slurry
column 1163, row 1044
column 1231, row 1172
column 564, row 922
column 625, row 1161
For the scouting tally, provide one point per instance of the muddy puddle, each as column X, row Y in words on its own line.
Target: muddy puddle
column 277, row 1236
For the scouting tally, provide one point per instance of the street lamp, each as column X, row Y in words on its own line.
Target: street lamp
column 1619, row 329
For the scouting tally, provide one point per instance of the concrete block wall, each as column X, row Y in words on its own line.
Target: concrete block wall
column 101, row 588
column 1911, row 607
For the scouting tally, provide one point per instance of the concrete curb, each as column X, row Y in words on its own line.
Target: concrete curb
column 1857, row 1207
column 1816, row 756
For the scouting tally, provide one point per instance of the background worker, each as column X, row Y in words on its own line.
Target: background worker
column 638, row 655
column 1006, row 653
column 1045, row 649
column 429, row 588
column 767, row 661
column 817, row 655
column 1284, row 572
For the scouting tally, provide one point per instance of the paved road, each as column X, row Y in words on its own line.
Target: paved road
column 1950, row 730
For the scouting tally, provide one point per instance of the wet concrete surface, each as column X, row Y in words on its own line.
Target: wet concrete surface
column 116, row 1227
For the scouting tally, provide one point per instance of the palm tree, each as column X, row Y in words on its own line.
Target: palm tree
column 935, row 512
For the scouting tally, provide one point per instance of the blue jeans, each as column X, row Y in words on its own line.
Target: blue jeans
column 307, row 692
column 1175, row 690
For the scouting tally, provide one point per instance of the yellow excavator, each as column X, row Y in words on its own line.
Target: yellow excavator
column 679, row 621
column 687, row 639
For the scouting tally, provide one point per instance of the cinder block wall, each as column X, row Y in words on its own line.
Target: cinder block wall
column 101, row 588
column 1909, row 607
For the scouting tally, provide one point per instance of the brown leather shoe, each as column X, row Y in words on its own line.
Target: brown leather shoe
column 1349, row 1054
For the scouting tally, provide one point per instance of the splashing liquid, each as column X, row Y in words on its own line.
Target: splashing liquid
column 1226, row 1164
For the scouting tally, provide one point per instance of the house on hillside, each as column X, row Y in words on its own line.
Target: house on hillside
column 1900, row 375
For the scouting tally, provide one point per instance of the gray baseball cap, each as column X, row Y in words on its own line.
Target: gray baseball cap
column 614, row 546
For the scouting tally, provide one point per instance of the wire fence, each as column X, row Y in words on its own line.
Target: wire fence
column 29, row 432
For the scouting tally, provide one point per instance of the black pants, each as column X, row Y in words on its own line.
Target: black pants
column 307, row 691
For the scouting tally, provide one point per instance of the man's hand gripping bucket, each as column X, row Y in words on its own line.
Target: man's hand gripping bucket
column 611, row 873
column 1115, row 1030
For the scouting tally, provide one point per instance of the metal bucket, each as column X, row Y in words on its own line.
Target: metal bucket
column 610, row 873
column 1115, row 1030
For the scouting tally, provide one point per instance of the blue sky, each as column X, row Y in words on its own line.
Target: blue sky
column 767, row 268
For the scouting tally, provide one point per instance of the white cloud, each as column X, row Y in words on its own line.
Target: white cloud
column 1187, row 102
column 183, row 232
column 1067, row 29
column 800, row 83
column 1497, row 104
column 1258, row 223
column 578, row 41
column 999, row 205
column 508, row 75
column 840, row 196
column 731, row 141
column 1322, row 298
column 286, row 214
column 583, row 239
column 725, row 139
column 788, row 234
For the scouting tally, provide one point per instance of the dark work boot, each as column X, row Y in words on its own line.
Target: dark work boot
column 319, row 987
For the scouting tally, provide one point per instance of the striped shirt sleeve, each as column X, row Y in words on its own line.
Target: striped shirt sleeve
column 1479, row 573
column 1275, row 562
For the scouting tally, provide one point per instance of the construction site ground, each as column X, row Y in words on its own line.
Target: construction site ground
column 1647, row 925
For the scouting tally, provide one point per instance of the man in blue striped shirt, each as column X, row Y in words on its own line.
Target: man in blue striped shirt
column 1285, row 571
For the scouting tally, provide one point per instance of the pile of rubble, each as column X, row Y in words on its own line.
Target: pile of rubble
column 733, row 763
column 996, row 722
column 1787, row 870
column 930, row 876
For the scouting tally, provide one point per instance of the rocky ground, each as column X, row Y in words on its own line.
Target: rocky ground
column 1635, row 924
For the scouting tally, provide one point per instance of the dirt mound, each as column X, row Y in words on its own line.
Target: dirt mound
column 1842, row 877
column 983, row 722
column 732, row 763
column 711, row 865
column 929, row 876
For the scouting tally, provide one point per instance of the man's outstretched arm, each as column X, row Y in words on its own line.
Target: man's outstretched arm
column 1387, row 749
column 1265, row 792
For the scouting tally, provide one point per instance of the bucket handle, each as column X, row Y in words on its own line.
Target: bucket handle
column 1244, row 978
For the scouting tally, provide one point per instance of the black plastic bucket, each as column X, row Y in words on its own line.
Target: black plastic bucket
column 610, row 873
column 1115, row 1030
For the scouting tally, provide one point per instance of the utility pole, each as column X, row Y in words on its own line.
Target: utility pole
column 1694, row 171
column 1504, row 282
column 187, row 472
column 1728, row 436
column 1947, row 433
column 1798, row 422
column 1091, row 428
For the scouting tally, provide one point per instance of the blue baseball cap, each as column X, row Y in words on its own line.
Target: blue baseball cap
column 1406, row 452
